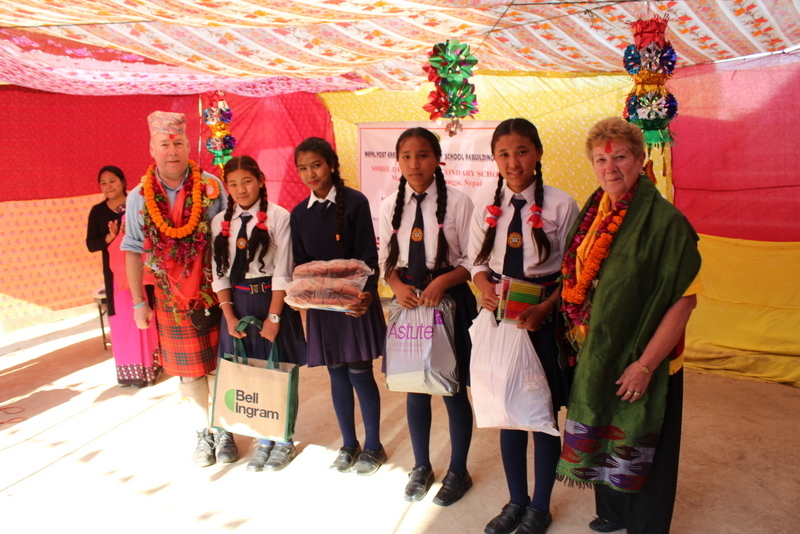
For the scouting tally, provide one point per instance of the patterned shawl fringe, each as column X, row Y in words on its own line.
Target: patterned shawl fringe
column 572, row 483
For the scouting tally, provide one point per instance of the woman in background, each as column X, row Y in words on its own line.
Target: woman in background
column 135, row 351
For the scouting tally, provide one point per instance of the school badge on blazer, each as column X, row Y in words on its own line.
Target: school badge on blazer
column 254, row 397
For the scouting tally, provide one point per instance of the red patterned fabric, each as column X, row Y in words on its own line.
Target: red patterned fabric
column 735, row 171
column 268, row 129
column 185, row 351
column 57, row 143
column 60, row 142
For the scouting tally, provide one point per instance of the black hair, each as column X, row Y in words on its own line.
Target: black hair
column 527, row 129
column 442, row 248
column 116, row 171
column 258, row 237
column 322, row 147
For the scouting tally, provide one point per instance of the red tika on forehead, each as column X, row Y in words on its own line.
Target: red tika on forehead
column 608, row 146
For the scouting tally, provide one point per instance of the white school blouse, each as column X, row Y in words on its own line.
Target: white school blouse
column 558, row 214
column 278, row 261
column 456, row 226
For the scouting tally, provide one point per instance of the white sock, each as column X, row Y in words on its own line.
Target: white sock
column 196, row 392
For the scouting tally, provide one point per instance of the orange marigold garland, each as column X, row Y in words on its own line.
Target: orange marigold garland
column 185, row 244
column 576, row 292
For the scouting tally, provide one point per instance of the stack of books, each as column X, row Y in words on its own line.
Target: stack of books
column 515, row 296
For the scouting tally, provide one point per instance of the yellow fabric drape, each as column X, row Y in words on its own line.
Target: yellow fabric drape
column 748, row 317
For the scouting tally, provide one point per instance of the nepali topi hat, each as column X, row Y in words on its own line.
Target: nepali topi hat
column 164, row 122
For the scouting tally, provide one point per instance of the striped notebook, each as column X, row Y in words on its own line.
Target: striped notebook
column 515, row 296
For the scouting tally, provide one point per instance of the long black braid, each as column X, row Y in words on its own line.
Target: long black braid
column 488, row 239
column 258, row 237
column 442, row 248
column 322, row 147
column 527, row 129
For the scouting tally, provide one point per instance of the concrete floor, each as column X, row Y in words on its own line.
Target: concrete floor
column 93, row 457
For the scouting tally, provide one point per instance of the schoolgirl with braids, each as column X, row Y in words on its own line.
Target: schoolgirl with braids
column 497, row 233
column 440, row 266
column 335, row 222
column 252, row 264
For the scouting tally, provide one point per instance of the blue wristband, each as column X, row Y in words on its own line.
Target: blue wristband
column 140, row 304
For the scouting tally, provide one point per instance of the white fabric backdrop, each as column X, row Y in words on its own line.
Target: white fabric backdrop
column 469, row 165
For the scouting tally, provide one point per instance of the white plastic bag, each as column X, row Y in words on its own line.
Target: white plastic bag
column 509, row 387
column 420, row 349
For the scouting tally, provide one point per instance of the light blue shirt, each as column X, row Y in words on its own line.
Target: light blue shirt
column 134, row 235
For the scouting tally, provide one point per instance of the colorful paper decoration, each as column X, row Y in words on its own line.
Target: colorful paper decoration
column 449, row 68
column 217, row 116
column 650, row 61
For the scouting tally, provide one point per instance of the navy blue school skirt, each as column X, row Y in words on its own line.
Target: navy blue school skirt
column 255, row 302
column 335, row 337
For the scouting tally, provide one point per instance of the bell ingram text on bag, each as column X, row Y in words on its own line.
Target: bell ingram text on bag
column 237, row 400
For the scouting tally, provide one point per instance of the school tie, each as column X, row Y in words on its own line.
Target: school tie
column 514, row 261
column 239, row 268
column 417, row 266
column 320, row 206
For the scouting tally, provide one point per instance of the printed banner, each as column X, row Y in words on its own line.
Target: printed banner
column 469, row 165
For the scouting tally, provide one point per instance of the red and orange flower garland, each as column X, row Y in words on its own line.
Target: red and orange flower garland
column 184, row 244
column 576, row 291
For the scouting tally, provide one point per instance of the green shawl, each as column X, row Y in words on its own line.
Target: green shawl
column 653, row 260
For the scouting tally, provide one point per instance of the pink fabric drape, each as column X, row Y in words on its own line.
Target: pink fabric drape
column 268, row 129
column 735, row 164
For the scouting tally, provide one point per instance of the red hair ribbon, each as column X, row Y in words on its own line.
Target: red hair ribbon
column 535, row 220
column 494, row 213
column 226, row 228
column 262, row 217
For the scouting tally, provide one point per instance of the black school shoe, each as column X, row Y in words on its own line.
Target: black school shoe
column 346, row 458
column 508, row 519
column 369, row 461
column 280, row 456
column 603, row 525
column 534, row 522
column 420, row 480
column 256, row 463
column 454, row 486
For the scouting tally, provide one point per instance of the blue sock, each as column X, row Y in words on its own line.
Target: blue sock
column 418, row 414
column 369, row 399
column 262, row 441
column 344, row 404
column 459, row 412
column 514, row 450
column 546, row 451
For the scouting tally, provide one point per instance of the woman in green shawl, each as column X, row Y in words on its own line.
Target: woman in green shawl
column 629, row 286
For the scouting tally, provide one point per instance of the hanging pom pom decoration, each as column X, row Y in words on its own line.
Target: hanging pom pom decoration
column 650, row 61
column 217, row 116
column 449, row 67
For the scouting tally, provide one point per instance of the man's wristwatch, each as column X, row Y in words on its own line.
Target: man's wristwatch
column 274, row 318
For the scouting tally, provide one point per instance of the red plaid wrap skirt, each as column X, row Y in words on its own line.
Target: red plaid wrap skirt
column 185, row 351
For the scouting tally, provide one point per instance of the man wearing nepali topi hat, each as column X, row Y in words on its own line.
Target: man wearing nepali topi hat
column 168, row 231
